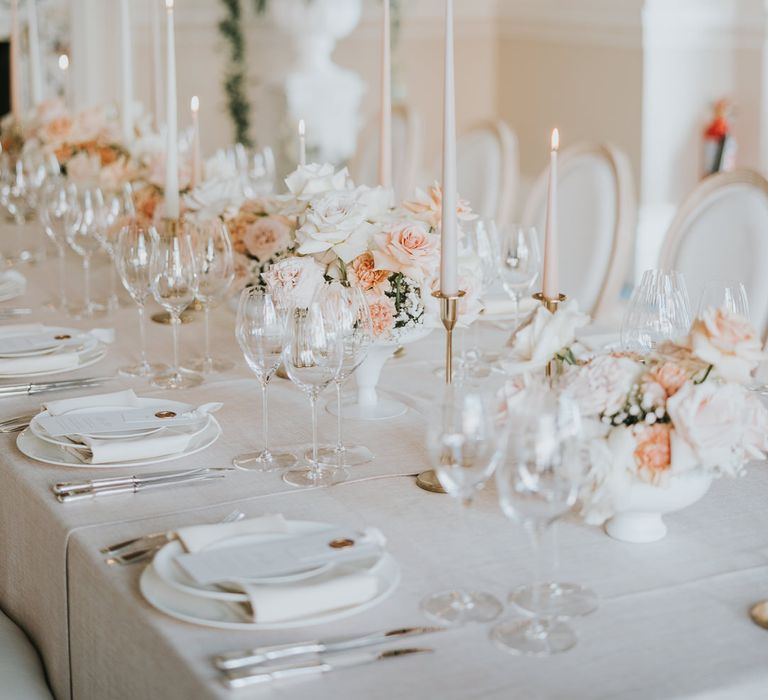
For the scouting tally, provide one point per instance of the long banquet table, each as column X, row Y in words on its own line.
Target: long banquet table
column 672, row 622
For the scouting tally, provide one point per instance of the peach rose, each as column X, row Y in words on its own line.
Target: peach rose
column 428, row 207
column 661, row 383
column 382, row 314
column 653, row 453
column 56, row 130
column 365, row 272
column 267, row 236
column 408, row 248
column 728, row 342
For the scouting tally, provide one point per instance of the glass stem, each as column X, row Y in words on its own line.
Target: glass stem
column 208, row 360
column 339, row 436
column 142, row 336
column 534, row 531
column 464, row 502
column 516, row 300
column 313, row 403
column 112, row 283
column 265, row 416
column 62, row 278
column 87, row 282
column 175, row 323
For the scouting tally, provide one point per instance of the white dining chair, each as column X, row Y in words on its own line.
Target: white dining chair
column 406, row 152
column 597, row 216
column 488, row 169
column 21, row 673
column 720, row 232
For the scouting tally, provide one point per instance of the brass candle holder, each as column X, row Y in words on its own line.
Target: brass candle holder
column 449, row 314
column 551, row 305
column 168, row 229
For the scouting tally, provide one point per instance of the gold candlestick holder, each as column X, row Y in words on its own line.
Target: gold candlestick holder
column 449, row 314
column 168, row 229
column 551, row 305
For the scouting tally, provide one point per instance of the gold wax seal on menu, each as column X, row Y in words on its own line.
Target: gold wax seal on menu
column 63, row 336
column 341, row 543
column 165, row 414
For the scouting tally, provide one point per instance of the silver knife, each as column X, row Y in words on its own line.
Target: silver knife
column 260, row 655
column 241, row 678
column 40, row 387
column 70, row 486
column 118, row 490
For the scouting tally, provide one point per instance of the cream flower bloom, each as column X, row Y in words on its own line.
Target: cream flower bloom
column 601, row 386
column 294, row 280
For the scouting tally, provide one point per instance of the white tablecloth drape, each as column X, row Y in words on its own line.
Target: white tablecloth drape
column 673, row 619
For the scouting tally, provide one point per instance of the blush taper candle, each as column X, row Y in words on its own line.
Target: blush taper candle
column 550, row 278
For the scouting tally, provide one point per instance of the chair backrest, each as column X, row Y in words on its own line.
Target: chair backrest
column 597, row 216
column 488, row 166
column 721, row 232
column 406, row 152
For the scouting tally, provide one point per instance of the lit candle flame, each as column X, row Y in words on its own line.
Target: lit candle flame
column 555, row 139
column 63, row 61
column 194, row 103
column 302, row 127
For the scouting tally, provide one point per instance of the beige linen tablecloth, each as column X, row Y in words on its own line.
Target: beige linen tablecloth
column 672, row 623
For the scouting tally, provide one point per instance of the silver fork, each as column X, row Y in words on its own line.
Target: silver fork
column 157, row 540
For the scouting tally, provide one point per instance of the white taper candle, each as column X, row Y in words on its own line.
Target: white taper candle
column 15, row 66
column 156, row 73
column 172, row 141
column 449, row 284
column 197, row 159
column 551, row 284
column 34, row 53
column 64, row 68
column 385, row 153
column 126, row 73
column 302, row 142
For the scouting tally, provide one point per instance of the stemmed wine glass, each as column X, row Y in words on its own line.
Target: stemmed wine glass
column 58, row 202
column 352, row 316
column 730, row 295
column 215, row 274
column 465, row 442
column 519, row 261
column 537, row 484
column 260, row 333
column 658, row 310
column 84, row 227
column 174, row 284
column 312, row 357
column 133, row 254
column 120, row 213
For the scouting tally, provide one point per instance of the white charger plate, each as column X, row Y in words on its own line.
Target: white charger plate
column 176, row 406
column 174, row 576
column 86, row 358
column 224, row 615
column 39, row 450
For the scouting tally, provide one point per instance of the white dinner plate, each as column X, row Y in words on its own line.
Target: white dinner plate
column 39, row 450
column 174, row 576
column 69, row 340
column 176, row 406
column 86, row 358
column 225, row 615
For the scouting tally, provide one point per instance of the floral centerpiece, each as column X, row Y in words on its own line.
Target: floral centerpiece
column 660, row 427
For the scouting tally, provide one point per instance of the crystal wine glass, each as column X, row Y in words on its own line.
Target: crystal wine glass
column 215, row 274
column 352, row 316
column 58, row 201
column 121, row 212
column 538, row 483
column 730, row 295
column 658, row 310
column 260, row 333
column 133, row 254
column 465, row 443
column 174, row 284
column 519, row 261
column 84, row 228
column 312, row 357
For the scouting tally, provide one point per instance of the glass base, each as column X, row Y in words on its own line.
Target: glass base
column 348, row 456
column 177, row 379
column 143, row 369
column 533, row 637
column 459, row 607
column 214, row 366
column 308, row 476
column 92, row 310
column 561, row 600
column 265, row 461
column 381, row 410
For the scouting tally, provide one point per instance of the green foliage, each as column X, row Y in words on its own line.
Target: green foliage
column 235, row 82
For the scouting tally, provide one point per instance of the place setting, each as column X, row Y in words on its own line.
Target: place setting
column 118, row 429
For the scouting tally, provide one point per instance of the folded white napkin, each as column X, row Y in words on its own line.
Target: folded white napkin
column 106, row 451
column 198, row 537
column 501, row 305
column 52, row 362
column 294, row 601
column 115, row 398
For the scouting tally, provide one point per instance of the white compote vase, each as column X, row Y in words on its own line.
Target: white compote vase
column 639, row 509
column 368, row 405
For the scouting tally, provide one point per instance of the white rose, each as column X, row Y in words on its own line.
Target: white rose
column 294, row 280
column 375, row 201
column 601, row 386
column 543, row 334
column 612, row 463
column 216, row 198
column 756, row 427
column 310, row 180
column 709, row 419
column 728, row 342
column 335, row 222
